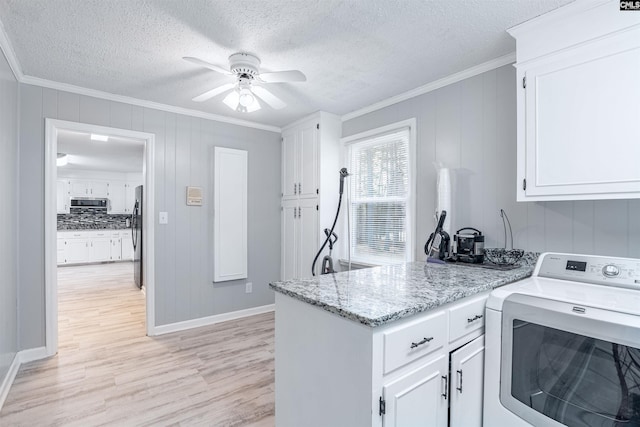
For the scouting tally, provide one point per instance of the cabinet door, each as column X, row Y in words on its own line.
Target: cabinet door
column 116, row 197
column 99, row 189
column 308, row 158
column 307, row 242
column 419, row 398
column 61, row 253
column 467, row 373
column 77, row 250
column 581, row 122
column 130, row 196
column 289, row 240
column 100, row 249
column 116, row 249
column 62, row 199
column 127, row 246
column 289, row 165
column 78, row 188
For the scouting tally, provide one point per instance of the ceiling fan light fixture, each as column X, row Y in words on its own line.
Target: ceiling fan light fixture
column 246, row 97
column 62, row 159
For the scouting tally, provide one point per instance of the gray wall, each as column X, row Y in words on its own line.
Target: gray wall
column 470, row 126
column 8, row 217
column 184, row 247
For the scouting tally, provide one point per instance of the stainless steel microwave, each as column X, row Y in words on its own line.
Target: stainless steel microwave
column 89, row 203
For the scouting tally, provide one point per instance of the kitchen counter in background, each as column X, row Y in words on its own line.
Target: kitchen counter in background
column 380, row 295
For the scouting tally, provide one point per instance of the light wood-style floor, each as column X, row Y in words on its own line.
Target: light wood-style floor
column 107, row 372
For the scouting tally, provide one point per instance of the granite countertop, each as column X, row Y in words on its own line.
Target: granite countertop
column 94, row 227
column 379, row 295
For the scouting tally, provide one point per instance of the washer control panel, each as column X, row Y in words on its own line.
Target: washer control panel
column 621, row 272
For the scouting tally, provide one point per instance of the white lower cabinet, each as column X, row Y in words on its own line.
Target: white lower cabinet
column 424, row 370
column 467, row 381
column 81, row 247
column 418, row 398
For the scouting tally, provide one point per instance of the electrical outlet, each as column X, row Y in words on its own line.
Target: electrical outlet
column 248, row 287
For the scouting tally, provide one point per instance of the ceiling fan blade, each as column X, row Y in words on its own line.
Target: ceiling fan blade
column 206, row 65
column 283, row 76
column 213, row 92
column 275, row 102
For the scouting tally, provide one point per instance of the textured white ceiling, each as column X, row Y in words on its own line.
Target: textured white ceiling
column 116, row 155
column 354, row 52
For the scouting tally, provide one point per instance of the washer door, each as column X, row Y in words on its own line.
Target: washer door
column 566, row 364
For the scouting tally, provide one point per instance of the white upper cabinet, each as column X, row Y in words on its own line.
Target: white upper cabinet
column 62, row 196
column 578, row 104
column 300, row 160
column 117, row 197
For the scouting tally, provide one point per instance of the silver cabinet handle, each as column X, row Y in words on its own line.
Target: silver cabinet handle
column 476, row 317
column 299, row 212
column 299, row 188
column 295, row 213
column 295, row 188
column 419, row 343
column 459, row 388
column 446, row 386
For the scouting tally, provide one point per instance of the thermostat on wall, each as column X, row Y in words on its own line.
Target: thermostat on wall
column 194, row 196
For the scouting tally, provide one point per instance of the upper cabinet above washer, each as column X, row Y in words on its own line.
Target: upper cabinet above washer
column 578, row 101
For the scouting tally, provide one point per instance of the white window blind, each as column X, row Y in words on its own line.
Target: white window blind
column 380, row 192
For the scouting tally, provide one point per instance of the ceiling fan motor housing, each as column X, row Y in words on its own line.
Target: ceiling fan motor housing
column 245, row 65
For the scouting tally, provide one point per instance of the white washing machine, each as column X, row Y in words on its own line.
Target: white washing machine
column 563, row 346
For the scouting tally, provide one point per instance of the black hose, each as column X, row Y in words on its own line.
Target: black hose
column 313, row 266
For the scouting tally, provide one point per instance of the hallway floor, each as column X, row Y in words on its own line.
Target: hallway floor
column 107, row 372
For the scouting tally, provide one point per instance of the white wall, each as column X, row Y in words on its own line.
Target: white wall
column 184, row 247
column 470, row 126
column 8, row 217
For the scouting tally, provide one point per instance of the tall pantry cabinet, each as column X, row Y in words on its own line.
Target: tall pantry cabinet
column 310, row 184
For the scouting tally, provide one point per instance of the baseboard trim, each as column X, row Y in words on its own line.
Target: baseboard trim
column 33, row 354
column 211, row 320
column 8, row 379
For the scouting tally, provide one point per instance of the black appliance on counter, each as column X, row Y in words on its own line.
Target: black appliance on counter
column 136, row 236
column 468, row 247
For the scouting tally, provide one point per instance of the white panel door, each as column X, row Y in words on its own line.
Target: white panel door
column 100, row 249
column 99, row 189
column 130, row 196
column 77, row 250
column 289, row 165
column 79, row 188
column 582, row 115
column 308, row 158
column 467, row 373
column 308, row 237
column 230, row 214
column 116, row 197
column 127, row 246
column 419, row 399
column 116, row 249
column 62, row 196
column 290, row 237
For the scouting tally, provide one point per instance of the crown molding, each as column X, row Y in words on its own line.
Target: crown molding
column 36, row 81
column 7, row 49
column 437, row 84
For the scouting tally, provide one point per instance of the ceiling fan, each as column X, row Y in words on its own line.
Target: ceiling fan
column 248, row 86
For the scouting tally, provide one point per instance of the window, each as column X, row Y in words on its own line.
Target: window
column 381, row 195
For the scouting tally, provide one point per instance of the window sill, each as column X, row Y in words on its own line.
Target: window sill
column 356, row 264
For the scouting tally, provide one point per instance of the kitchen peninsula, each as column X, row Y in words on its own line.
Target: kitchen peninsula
column 355, row 347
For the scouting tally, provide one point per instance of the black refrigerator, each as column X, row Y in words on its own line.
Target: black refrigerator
column 136, row 236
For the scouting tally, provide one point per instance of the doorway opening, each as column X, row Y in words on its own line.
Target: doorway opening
column 99, row 219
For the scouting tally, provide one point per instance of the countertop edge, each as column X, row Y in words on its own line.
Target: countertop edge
column 409, row 311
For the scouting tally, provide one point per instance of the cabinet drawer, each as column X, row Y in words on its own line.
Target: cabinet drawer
column 414, row 340
column 466, row 318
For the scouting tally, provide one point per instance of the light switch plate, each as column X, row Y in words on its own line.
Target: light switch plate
column 164, row 218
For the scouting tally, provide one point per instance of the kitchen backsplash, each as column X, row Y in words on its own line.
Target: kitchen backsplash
column 82, row 219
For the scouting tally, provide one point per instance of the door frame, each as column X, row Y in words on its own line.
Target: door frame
column 52, row 126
